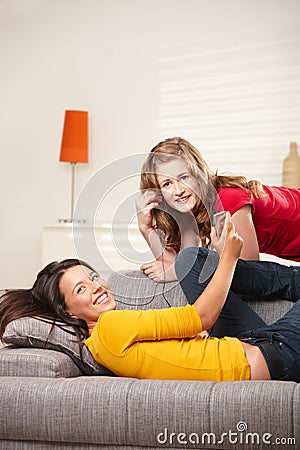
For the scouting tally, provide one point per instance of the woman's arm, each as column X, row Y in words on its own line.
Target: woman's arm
column 210, row 303
column 243, row 222
column 116, row 331
column 162, row 269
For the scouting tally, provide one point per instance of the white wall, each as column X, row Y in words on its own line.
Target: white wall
column 116, row 58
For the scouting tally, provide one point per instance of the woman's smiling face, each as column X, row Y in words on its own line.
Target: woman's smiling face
column 86, row 295
column 179, row 188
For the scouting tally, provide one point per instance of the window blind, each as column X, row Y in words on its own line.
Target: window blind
column 239, row 106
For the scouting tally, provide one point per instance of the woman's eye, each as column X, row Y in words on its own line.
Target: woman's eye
column 184, row 177
column 166, row 184
column 80, row 289
column 95, row 277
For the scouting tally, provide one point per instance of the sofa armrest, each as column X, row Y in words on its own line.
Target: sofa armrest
column 36, row 362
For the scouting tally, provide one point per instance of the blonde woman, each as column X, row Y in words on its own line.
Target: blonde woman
column 180, row 194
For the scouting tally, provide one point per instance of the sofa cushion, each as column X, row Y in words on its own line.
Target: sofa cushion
column 124, row 412
column 36, row 362
column 29, row 332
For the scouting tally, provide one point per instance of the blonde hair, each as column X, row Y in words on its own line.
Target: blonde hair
column 208, row 182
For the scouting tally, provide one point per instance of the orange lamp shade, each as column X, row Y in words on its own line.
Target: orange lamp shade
column 74, row 146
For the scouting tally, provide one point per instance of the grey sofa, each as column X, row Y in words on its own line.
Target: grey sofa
column 47, row 402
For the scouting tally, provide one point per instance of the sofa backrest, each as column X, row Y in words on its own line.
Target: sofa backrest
column 132, row 289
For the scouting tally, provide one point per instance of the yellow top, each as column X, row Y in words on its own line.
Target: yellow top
column 157, row 344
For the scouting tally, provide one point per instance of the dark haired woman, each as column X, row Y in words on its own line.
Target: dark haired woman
column 166, row 344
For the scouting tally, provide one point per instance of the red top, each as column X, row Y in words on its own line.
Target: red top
column 276, row 217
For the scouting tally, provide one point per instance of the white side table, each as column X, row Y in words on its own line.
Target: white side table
column 105, row 246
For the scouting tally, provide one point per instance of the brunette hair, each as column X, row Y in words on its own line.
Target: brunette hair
column 209, row 182
column 43, row 301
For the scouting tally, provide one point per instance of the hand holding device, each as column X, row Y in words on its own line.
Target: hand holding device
column 224, row 234
column 218, row 222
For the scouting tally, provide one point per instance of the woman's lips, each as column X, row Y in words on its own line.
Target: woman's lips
column 103, row 298
column 184, row 199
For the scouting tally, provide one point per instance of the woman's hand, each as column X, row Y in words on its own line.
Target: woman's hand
column 218, row 241
column 145, row 204
column 243, row 222
column 230, row 242
column 160, row 271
